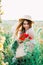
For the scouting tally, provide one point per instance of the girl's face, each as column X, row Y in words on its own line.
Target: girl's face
column 26, row 25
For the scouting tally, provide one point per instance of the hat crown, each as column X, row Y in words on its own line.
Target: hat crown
column 26, row 17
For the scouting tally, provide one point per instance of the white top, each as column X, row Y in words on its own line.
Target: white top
column 30, row 45
column 32, row 34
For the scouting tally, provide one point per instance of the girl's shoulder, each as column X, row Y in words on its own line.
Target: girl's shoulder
column 30, row 30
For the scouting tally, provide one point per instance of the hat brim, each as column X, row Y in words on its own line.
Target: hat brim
column 22, row 19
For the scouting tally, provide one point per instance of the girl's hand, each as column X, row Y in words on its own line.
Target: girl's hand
column 19, row 41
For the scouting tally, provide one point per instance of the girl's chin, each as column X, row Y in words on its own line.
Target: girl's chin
column 26, row 29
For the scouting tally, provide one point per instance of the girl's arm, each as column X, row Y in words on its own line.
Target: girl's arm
column 31, row 33
column 19, row 34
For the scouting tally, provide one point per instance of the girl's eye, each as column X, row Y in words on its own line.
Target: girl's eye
column 25, row 23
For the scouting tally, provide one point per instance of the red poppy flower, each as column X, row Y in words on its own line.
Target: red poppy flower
column 30, row 38
column 23, row 36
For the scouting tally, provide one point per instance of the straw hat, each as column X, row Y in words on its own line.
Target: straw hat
column 27, row 17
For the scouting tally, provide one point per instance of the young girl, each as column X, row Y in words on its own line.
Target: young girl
column 24, row 26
